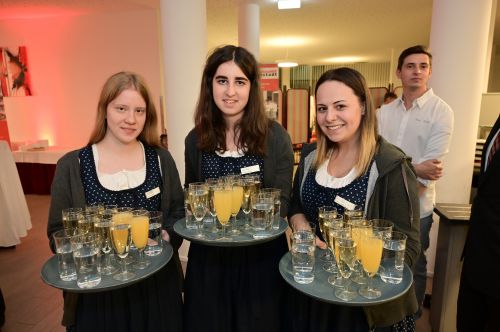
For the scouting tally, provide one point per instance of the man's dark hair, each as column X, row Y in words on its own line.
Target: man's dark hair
column 418, row 49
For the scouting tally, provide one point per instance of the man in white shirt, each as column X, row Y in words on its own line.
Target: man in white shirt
column 420, row 123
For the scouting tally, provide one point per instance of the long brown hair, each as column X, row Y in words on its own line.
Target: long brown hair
column 210, row 126
column 111, row 89
column 367, row 126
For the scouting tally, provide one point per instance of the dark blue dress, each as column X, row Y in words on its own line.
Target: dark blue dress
column 154, row 304
column 307, row 313
column 233, row 289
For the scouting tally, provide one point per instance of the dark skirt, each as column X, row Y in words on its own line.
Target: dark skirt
column 304, row 313
column 234, row 289
column 154, row 304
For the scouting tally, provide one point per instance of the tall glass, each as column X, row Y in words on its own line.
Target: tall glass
column 123, row 215
column 262, row 206
column 347, row 259
column 335, row 234
column 354, row 214
column 198, row 200
column 237, row 200
column 121, row 239
column 371, row 255
column 85, row 254
column 102, row 231
column 223, row 196
column 154, row 247
column 276, row 193
column 140, row 232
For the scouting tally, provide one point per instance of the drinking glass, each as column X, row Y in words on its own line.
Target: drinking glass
column 262, row 206
column 212, row 183
column 123, row 215
column 382, row 226
column 354, row 214
column 249, row 187
column 70, row 217
column 190, row 221
column 198, row 200
column 371, row 255
column 237, row 200
column 276, row 193
column 64, row 251
column 102, row 231
column 347, row 259
column 85, row 248
column 359, row 227
column 325, row 213
column 223, row 196
column 140, row 232
column 303, row 259
column 332, row 222
column 121, row 239
column 335, row 234
column 86, row 224
column 154, row 247
column 393, row 256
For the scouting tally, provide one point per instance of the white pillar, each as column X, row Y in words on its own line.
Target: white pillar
column 183, row 30
column 249, row 27
column 459, row 48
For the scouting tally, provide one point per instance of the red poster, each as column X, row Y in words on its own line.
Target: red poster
column 269, row 77
column 15, row 78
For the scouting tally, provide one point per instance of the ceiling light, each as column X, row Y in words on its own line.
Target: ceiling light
column 286, row 63
column 288, row 4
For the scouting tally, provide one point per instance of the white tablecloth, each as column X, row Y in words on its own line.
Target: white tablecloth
column 49, row 155
column 15, row 218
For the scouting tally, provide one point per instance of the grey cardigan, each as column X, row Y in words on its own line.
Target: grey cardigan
column 278, row 162
column 392, row 194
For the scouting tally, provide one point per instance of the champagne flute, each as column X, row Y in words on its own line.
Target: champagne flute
column 347, row 259
column 324, row 213
column 140, row 232
column 359, row 228
column 198, row 195
column 212, row 183
column 237, row 200
column 371, row 254
column 70, row 217
column 123, row 215
column 102, row 229
column 335, row 234
column 249, row 187
column 121, row 239
column 223, row 196
column 332, row 222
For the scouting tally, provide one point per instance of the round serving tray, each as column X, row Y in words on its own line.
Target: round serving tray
column 50, row 274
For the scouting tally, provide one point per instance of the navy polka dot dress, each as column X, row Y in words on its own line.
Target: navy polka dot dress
column 314, row 195
column 214, row 166
column 134, row 197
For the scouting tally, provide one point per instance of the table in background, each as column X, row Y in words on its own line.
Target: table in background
column 36, row 168
column 453, row 226
column 15, row 218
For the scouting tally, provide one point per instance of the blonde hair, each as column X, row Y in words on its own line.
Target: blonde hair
column 367, row 128
column 111, row 89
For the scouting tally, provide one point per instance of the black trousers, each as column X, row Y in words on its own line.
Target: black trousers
column 476, row 311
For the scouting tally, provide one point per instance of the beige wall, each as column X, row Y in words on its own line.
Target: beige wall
column 69, row 60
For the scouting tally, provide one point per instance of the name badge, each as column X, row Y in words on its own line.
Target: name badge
column 250, row 169
column 345, row 203
column 152, row 192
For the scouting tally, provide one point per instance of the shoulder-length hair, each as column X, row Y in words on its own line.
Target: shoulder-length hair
column 251, row 131
column 367, row 127
column 111, row 89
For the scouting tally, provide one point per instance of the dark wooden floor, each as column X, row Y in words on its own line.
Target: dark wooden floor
column 33, row 305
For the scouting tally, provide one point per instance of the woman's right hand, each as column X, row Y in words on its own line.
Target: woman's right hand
column 320, row 244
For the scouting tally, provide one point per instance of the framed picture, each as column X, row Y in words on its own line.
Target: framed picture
column 14, row 79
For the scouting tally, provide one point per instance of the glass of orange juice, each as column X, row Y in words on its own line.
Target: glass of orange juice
column 140, row 231
column 222, row 199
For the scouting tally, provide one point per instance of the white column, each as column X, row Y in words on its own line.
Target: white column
column 249, row 27
column 459, row 48
column 183, row 30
